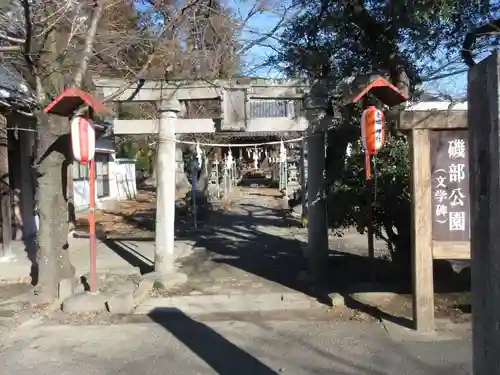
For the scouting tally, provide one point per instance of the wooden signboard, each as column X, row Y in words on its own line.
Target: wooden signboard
column 450, row 185
column 440, row 200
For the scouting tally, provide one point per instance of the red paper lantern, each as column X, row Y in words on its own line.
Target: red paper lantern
column 82, row 139
column 372, row 130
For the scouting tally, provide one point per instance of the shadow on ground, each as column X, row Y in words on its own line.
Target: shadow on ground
column 31, row 253
column 306, row 355
column 257, row 239
column 220, row 354
column 130, row 255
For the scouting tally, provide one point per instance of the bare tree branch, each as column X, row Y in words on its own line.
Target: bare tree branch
column 10, row 49
column 89, row 43
column 10, row 39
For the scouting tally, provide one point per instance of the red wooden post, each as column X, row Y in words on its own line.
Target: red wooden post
column 65, row 105
column 92, row 234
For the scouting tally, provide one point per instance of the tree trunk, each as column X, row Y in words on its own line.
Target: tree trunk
column 5, row 190
column 52, row 238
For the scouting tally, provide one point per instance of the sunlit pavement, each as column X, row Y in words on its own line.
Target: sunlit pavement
column 238, row 343
column 179, row 345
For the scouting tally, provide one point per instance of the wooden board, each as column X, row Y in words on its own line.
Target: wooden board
column 423, row 284
column 433, row 119
column 450, row 185
column 451, row 250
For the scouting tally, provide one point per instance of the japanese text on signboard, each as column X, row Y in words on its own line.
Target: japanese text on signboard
column 450, row 185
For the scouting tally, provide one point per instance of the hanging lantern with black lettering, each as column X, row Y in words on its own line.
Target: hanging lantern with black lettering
column 82, row 139
column 372, row 130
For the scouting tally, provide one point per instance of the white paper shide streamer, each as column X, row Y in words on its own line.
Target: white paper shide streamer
column 229, row 160
column 255, row 158
column 198, row 154
column 282, row 152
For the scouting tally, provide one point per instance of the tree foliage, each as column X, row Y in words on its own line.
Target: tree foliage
column 343, row 38
column 333, row 40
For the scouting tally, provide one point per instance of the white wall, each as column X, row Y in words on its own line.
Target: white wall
column 81, row 193
column 122, row 183
column 437, row 106
column 81, row 188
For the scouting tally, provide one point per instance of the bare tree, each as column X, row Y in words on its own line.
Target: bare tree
column 58, row 44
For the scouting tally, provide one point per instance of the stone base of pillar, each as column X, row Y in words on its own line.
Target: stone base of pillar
column 166, row 281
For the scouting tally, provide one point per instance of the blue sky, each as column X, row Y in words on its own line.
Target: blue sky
column 454, row 86
column 264, row 22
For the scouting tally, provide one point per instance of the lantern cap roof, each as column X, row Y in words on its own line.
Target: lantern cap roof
column 70, row 100
column 376, row 85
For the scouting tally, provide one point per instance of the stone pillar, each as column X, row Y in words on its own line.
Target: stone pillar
column 303, row 177
column 317, row 251
column 316, row 205
column 165, row 188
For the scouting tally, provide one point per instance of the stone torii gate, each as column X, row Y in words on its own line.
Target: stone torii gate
column 302, row 108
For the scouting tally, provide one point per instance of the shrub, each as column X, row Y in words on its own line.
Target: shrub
column 392, row 205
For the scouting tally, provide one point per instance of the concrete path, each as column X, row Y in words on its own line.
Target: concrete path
column 241, row 313
column 180, row 345
column 247, row 247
